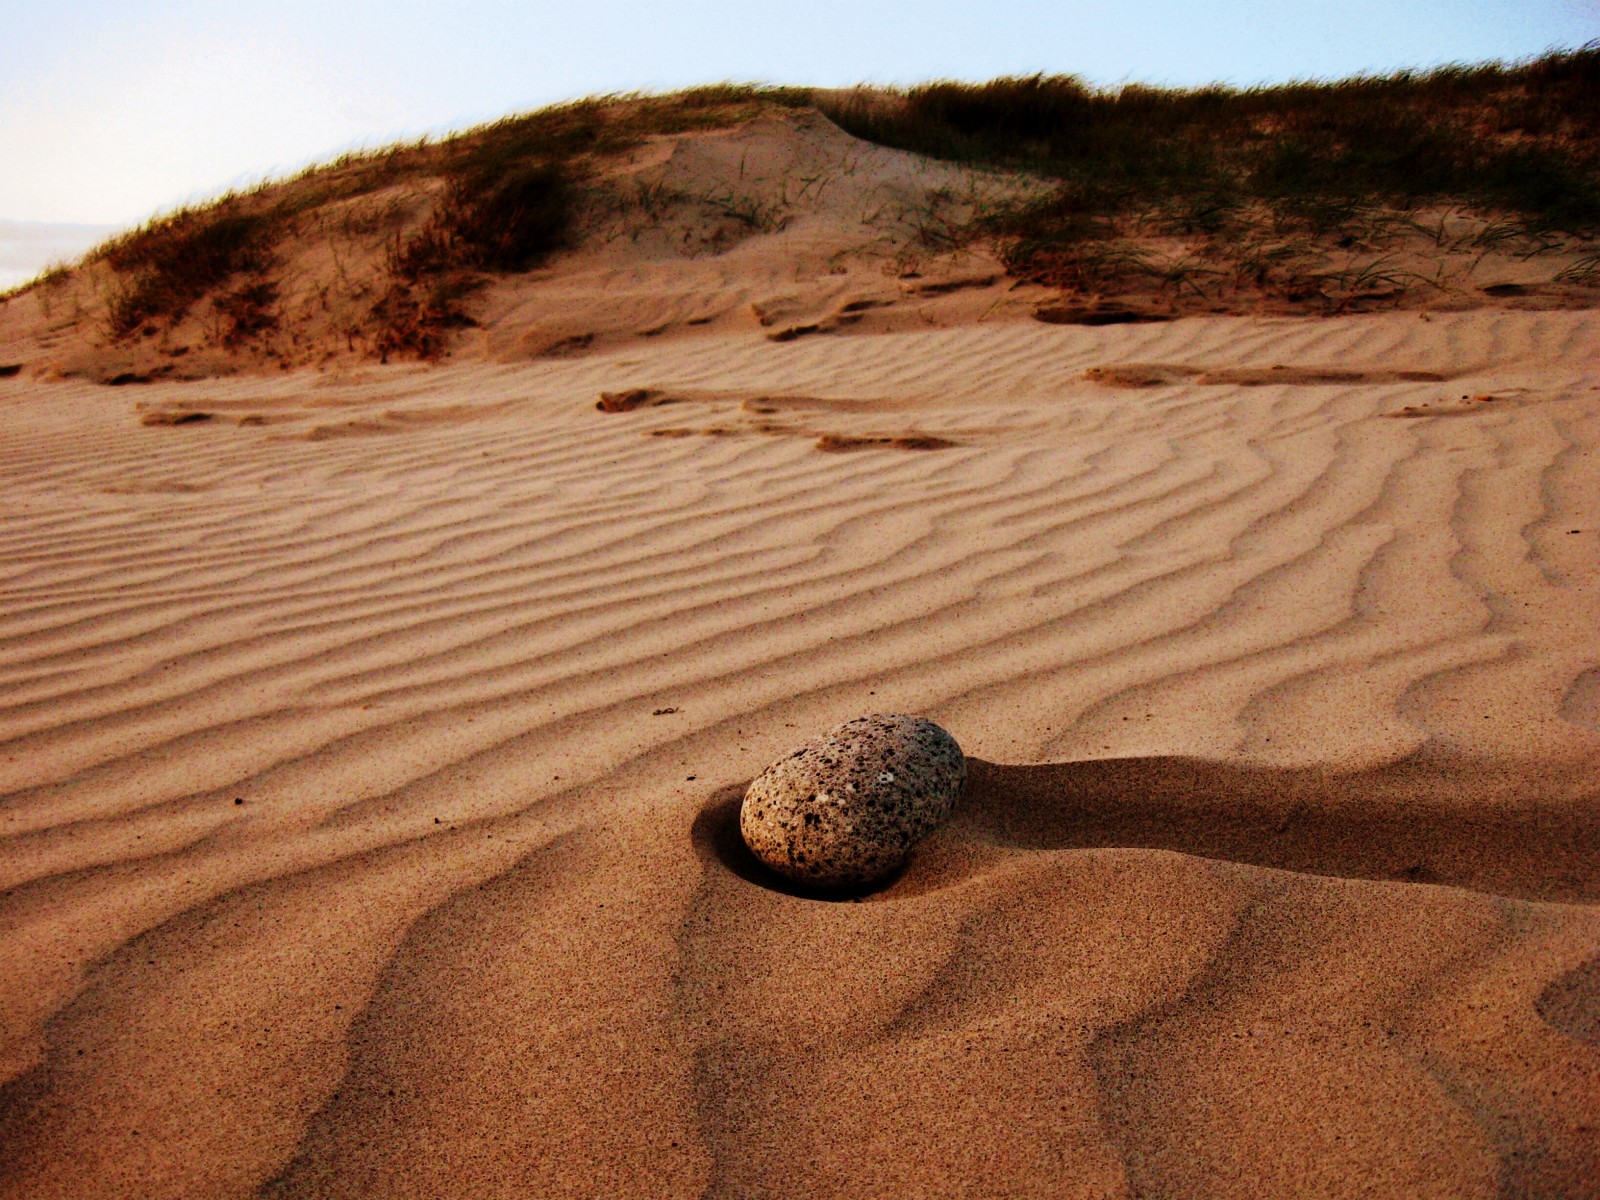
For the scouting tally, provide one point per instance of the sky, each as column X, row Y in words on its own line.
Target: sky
column 112, row 111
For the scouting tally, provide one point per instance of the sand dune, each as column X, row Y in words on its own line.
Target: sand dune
column 346, row 852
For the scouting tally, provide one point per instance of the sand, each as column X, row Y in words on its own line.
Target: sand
column 371, row 752
column 372, row 736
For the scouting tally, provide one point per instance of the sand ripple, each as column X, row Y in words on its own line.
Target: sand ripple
column 344, row 851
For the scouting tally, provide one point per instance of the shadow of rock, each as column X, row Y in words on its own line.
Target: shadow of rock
column 1421, row 820
column 1572, row 1004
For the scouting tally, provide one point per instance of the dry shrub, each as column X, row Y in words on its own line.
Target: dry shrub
column 836, row 443
column 171, row 263
column 1239, row 168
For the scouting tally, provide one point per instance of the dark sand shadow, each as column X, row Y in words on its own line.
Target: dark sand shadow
column 1459, row 823
column 1571, row 1004
column 1421, row 820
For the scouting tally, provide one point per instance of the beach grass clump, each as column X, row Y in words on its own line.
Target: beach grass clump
column 1518, row 140
column 513, row 194
column 174, row 261
column 511, row 186
column 169, row 264
column 506, row 207
column 247, row 311
column 52, row 276
column 513, row 219
column 509, row 201
column 608, row 125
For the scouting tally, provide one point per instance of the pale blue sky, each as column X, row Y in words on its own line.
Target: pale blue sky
column 110, row 111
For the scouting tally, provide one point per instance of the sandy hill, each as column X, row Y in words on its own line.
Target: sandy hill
column 773, row 221
column 605, row 221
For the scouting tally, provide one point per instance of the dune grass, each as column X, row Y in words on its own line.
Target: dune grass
column 508, row 204
column 175, row 260
column 1252, row 177
column 170, row 264
column 1521, row 140
column 511, row 194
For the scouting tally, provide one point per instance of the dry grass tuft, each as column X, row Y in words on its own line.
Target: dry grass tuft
column 173, row 262
column 836, row 443
column 512, row 195
column 1252, row 176
column 632, row 398
column 167, row 416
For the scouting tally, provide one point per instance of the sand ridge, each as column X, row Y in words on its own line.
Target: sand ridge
column 366, row 797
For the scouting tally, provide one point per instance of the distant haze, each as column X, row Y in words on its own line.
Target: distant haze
column 110, row 111
column 29, row 247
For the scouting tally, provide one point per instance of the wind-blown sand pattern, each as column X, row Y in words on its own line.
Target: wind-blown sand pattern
column 346, row 853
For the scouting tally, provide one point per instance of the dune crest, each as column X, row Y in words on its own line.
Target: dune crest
column 603, row 225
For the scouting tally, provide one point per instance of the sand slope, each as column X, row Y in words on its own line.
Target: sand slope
column 369, row 752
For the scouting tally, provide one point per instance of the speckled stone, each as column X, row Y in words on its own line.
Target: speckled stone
column 846, row 808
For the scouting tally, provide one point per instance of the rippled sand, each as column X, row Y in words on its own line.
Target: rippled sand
column 346, row 852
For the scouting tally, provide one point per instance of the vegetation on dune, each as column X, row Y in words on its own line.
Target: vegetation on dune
column 511, row 193
column 508, row 203
column 1523, row 139
column 168, row 265
column 511, row 186
column 1245, row 191
column 1248, row 166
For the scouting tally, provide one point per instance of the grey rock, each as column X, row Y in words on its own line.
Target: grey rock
column 846, row 808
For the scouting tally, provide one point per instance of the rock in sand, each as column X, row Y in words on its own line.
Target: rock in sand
column 847, row 808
